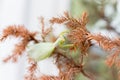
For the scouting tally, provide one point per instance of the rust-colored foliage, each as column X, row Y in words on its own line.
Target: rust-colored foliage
column 31, row 73
column 44, row 32
column 83, row 38
column 78, row 35
column 78, row 32
column 110, row 45
column 18, row 31
column 49, row 78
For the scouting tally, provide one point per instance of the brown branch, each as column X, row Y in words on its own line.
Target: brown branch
column 18, row 31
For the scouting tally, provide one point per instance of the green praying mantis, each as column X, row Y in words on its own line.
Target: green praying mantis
column 43, row 50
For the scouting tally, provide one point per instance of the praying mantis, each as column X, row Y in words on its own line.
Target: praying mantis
column 43, row 50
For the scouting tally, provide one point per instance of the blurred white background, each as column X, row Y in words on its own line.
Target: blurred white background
column 26, row 12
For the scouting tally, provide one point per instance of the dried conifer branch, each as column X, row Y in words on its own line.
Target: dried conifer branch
column 60, row 20
column 82, row 38
column 78, row 27
column 104, row 42
column 109, row 45
column 67, row 20
column 45, row 77
column 78, row 35
column 68, row 68
column 18, row 31
column 44, row 32
column 31, row 74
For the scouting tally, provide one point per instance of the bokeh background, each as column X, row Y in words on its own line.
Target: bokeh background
column 104, row 18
